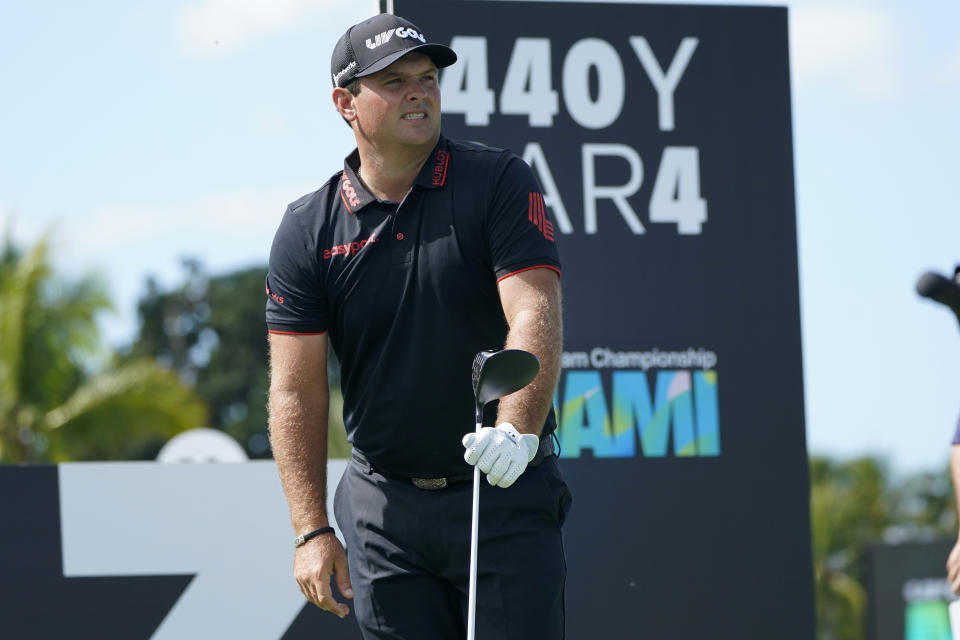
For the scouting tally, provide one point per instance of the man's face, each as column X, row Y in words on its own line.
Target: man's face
column 401, row 104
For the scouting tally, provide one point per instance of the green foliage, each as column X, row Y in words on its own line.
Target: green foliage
column 124, row 414
column 337, row 445
column 857, row 502
column 51, row 407
column 211, row 330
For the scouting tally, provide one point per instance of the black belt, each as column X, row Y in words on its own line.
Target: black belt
column 435, row 484
column 427, row 484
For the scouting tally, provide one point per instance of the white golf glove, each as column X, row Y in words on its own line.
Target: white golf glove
column 502, row 453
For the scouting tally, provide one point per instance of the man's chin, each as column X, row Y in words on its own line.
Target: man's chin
column 421, row 139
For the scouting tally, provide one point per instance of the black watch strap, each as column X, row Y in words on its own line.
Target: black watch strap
column 300, row 540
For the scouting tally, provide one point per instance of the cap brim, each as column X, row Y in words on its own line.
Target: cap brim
column 441, row 55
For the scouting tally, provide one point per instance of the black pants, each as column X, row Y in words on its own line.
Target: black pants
column 408, row 551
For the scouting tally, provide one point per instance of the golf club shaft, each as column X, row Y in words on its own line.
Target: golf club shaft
column 495, row 374
column 472, row 596
column 953, row 612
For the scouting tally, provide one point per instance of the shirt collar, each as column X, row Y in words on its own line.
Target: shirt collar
column 434, row 171
column 355, row 195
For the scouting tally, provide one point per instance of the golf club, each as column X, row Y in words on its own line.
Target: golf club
column 495, row 374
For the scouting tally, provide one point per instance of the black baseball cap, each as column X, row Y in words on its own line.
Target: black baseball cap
column 376, row 43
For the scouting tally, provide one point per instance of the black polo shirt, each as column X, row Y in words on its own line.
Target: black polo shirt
column 408, row 293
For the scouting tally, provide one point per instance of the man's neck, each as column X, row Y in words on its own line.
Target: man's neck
column 390, row 176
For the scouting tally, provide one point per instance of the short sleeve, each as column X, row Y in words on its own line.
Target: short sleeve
column 522, row 235
column 296, row 301
column 956, row 434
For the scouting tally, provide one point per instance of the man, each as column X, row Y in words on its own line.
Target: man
column 420, row 253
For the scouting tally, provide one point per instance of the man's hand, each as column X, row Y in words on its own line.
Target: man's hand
column 953, row 568
column 501, row 453
column 314, row 563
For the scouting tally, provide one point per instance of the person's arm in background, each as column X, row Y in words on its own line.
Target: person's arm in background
column 953, row 560
column 299, row 408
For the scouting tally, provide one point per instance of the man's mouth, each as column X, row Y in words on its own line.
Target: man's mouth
column 418, row 115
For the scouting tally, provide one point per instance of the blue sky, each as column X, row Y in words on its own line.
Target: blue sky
column 142, row 132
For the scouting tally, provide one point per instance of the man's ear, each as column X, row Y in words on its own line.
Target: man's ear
column 343, row 101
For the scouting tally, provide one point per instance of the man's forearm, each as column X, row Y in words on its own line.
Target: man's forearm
column 537, row 329
column 298, row 437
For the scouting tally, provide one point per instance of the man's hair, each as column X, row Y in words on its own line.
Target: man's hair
column 354, row 89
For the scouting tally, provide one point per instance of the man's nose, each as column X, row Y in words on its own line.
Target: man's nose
column 416, row 90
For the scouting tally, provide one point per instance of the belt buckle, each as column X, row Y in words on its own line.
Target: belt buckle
column 429, row 484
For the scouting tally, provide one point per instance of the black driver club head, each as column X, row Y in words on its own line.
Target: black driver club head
column 500, row 373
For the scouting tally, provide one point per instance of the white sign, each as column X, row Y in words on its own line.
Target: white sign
column 227, row 524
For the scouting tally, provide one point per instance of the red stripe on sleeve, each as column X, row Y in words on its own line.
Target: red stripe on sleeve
column 539, row 266
column 295, row 333
column 542, row 217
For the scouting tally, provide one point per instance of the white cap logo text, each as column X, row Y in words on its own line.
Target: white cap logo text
column 402, row 32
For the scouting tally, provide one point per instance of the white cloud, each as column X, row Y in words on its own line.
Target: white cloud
column 213, row 27
column 23, row 231
column 127, row 243
column 857, row 46
column 208, row 220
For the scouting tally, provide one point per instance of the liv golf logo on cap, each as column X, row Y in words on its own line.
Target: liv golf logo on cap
column 381, row 38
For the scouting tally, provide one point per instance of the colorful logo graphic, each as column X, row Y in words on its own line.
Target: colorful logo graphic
column 638, row 413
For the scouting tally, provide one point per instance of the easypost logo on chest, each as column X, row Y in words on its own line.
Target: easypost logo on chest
column 401, row 32
column 350, row 248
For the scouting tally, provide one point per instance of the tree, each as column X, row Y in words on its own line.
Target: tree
column 211, row 330
column 52, row 406
column 857, row 502
column 847, row 511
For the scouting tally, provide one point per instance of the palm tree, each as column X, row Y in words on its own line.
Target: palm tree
column 851, row 506
column 52, row 408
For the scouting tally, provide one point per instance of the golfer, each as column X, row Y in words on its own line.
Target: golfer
column 420, row 253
